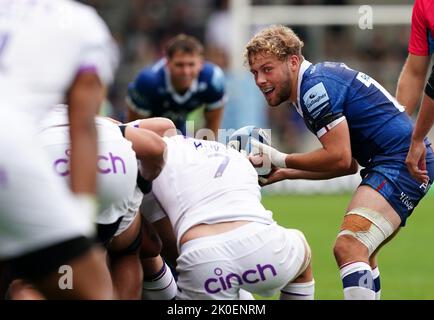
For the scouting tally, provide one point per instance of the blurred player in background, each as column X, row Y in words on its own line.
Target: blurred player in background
column 228, row 243
column 412, row 80
column 178, row 84
column 357, row 122
column 51, row 52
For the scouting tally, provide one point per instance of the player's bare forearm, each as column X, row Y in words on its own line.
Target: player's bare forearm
column 334, row 156
column 278, row 174
column 311, row 175
column 425, row 119
column 84, row 100
column 320, row 160
column 149, row 148
column 411, row 82
column 213, row 120
column 164, row 127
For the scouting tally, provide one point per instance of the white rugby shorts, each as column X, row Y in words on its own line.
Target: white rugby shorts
column 151, row 209
column 255, row 257
column 128, row 208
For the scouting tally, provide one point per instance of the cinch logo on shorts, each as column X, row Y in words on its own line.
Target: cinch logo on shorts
column 105, row 165
column 223, row 282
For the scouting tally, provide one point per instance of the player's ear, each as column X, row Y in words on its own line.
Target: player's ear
column 201, row 61
column 293, row 62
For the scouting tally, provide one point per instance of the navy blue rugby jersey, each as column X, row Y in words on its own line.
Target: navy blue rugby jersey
column 330, row 92
column 151, row 94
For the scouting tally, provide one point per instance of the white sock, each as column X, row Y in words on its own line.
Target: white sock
column 357, row 281
column 377, row 283
column 161, row 286
column 298, row 291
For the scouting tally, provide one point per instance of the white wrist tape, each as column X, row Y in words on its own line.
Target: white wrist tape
column 276, row 157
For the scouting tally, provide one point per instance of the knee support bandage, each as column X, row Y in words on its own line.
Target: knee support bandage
column 368, row 226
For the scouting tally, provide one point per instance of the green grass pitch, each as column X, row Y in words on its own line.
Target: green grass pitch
column 406, row 263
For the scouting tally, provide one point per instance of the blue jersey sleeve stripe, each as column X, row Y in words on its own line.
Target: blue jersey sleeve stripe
column 330, row 126
column 216, row 105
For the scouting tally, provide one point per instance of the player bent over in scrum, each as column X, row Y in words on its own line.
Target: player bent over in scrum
column 158, row 280
column 117, row 175
column 118, row 225
column 228, row 242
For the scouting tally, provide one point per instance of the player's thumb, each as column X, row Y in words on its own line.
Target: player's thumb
column 257, row 147
column 422, row 162
column 256, row 160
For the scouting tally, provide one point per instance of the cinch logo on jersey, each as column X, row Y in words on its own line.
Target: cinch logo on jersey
column 224, row 282
column 316, row 97
column 106, row 164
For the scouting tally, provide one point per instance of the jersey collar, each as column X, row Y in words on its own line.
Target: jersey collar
column 303, row 67
column 180, row 99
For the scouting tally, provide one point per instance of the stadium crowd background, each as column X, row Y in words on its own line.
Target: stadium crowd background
column 142, row 27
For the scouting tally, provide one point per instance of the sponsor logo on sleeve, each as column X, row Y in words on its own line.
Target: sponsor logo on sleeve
column 316, row 97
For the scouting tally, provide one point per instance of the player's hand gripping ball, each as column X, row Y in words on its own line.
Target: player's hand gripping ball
column 241, row 140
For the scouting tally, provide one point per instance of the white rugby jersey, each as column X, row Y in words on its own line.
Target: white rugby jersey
column 44, row 44
column 57, row 118
column 205, row 182
column 116, row 166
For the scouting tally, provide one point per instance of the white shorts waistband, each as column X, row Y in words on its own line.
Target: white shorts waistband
column 247, row 229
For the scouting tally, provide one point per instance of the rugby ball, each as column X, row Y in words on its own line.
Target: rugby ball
column 241, row 141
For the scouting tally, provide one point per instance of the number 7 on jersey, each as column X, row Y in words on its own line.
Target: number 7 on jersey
column 4, row 39
column 221, row 168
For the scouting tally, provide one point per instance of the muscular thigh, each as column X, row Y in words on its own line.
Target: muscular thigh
column 370, row 219
column 367, row 197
